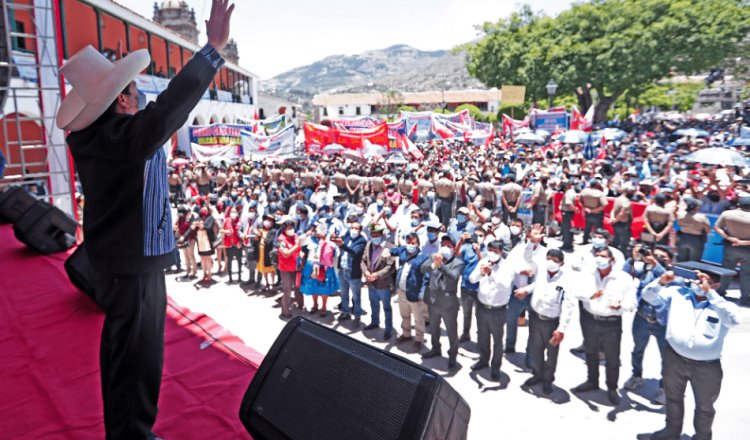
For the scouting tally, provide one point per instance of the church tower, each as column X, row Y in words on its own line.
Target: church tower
column 177, row 16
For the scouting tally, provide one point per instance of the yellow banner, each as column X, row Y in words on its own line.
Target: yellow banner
column 513, row 95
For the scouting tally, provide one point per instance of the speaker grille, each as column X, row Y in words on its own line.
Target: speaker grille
column 348, row 389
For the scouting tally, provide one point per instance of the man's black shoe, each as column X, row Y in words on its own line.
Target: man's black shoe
column 387, row 336
column 464, row 338
column 510, row 350
column 372, row 326
column 452, row 363
column 547, row 388
column 344, row 317
column 664, row 434
column 585, row 387
column 357, row 321
column 431, row 354
column 530, row 382
column 614, row 397
column 479, row 366
column 495, row 375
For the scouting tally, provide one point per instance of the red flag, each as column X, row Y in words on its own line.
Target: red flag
column 255, row 115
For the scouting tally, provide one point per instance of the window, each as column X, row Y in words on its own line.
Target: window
column 341, row 110
column 325, row 111
column 19, row 43
column 358, row 111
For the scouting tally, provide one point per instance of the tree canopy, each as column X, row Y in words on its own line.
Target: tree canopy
column 610, row 46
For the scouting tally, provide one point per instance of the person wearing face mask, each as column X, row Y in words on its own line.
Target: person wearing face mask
column 410, row 290
column 444, row 270
column 319, row 278
column 694, row 229
column 646, row 266
column 497, row 230
column 249, row 233
column 526, row 260
column 233, row 243
column 550, row 312
column 265, row 237
column 471, row 248
column 378, row 265
column 516, row 232
column 289, row 249
column 206, row 229
column 461, row 225
column 493, row 277
column 606, row 294
column 186, row 242
column 584, row 256
column 697, row 320
column 428, row 203
column 446, row 194
column 539, row 202
column 734, row 227
column 594, row 202
column 510, row 198
column 352, row 247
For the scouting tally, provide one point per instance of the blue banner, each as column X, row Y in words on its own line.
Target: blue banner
column 551, row 121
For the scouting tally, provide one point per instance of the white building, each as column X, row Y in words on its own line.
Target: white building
column 363, row 104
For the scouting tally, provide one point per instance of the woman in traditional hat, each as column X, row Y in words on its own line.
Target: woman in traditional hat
column 265, row 237
column 319, row 276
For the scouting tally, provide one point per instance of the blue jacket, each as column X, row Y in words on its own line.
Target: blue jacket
column 354, row 248
column 471, row 259
column 646, row 309
column 415, row 278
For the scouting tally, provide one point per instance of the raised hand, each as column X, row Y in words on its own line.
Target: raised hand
column 217, row 26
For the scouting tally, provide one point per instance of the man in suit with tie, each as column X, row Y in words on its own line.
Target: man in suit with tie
column 445, row 269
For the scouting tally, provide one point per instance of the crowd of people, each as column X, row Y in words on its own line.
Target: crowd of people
column 443, row 236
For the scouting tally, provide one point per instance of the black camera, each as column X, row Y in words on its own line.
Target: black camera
column 644, row 252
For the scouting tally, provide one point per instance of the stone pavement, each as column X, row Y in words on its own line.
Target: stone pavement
column 505, row 410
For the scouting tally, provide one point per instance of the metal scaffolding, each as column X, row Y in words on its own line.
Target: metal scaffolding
column 34, row 148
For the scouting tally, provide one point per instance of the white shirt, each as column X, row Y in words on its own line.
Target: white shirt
column 583, row 259
column 494, row 289
column 618, row 286
column 404, row 276
column 551, row 297
column 524, row 258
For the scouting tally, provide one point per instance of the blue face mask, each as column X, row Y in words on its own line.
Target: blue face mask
column 431, row 236
column 377, row 240
column 415, row 222
column 411, row 248
column 461, row 218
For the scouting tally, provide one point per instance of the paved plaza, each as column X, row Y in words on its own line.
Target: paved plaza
column 505, row 410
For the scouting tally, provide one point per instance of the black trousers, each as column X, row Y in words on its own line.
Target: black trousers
column 234, row 254
column 507, row 215
column 468, row 299
column 593, row 222
column 690, row 247
column 539, row 215
column 444, row 210
column 602, row 336
column 540, row 332
column 621, row 237
column 567, row 233
column 491, row 324
column 705, row 380
column 446, row 309
column 132, row 350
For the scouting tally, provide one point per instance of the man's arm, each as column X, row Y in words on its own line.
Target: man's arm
column 140, row 135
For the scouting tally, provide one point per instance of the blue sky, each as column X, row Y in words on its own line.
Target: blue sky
column 274, row 36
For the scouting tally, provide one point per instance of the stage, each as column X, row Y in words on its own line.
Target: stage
column 49, row 374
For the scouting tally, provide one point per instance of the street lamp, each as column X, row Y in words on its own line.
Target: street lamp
column 671, row 94
column 443, row 104
column 551, row 90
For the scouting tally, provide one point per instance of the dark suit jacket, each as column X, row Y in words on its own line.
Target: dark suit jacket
column 384, row 266
column 127, row 224
column 443, row 280
column 355, row 250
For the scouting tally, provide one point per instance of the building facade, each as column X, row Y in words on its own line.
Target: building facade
column 364, row 104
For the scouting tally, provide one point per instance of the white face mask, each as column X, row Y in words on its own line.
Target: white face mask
column 446, row 252
column 515, row 230
column 639, row 266
column 602, row 262
column 267, row 224
column 354, row 233
column 493, row 257
column 552, row 266
column 290, row 232
column 233, row 216
column 598, row 242
column 495, row 220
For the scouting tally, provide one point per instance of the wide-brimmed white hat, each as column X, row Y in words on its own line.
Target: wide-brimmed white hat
column 96, row 83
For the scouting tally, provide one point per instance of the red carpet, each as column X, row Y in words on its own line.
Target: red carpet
column 49, row 376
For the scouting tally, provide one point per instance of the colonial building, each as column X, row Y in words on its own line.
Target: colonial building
column 362, row 104
column 230, row 52
column 179, row 17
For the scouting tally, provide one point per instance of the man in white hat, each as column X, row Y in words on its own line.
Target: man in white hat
column 122, row 166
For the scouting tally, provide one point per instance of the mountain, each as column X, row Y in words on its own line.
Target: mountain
column 398, row 67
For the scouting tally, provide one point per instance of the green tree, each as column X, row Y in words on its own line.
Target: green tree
column 604, row 48
column 474, row 111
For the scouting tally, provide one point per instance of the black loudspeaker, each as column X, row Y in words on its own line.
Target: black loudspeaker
column 79, row 271
column 318, row 384
column 46, row 229
column 14, row 202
